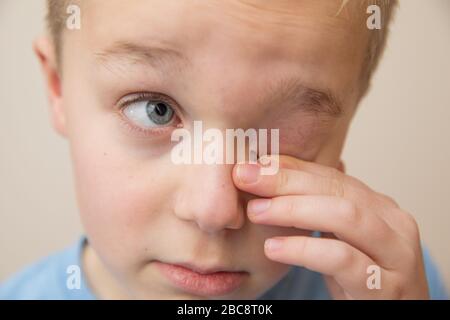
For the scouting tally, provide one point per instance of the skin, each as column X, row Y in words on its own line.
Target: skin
column 138, row 207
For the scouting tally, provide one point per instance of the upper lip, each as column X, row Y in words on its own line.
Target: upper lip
column 205, row 269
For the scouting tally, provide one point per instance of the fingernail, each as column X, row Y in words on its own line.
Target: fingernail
column 273, row 244
column 258, row 206
column 248, row 173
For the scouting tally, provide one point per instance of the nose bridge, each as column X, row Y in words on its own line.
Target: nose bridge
column 228, row 89
column 209, row 198
column 207, row 195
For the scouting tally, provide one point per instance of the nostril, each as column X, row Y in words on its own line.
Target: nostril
column 209, row 227
column 218, row 226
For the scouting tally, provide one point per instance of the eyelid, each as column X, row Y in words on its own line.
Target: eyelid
column 142, row 96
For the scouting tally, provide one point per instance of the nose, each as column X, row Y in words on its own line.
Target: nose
column 209, row 198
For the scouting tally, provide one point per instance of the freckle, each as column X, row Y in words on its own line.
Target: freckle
column 104, row 153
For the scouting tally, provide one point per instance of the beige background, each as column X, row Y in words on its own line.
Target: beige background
column 398, row 143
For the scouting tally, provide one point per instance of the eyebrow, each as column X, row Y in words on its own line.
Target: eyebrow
column 308, row 99
column 157, row 56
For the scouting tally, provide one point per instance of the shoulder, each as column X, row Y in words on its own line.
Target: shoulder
column 47, row 278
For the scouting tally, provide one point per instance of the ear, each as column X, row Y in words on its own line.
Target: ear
column 341, row 166
column 44, row 50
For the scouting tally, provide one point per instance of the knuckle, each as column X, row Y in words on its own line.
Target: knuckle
column 302, row 246
column 283, row 180
column 412, row 256
column 388, row 199
column 398, row 286
column 336, row 182
column 412, row 225
column 290, row 207
column 344, row 255
column 349, row 212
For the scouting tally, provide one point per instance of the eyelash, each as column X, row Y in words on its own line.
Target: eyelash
column 144, row 96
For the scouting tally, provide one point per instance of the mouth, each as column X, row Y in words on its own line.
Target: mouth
column 202, row 281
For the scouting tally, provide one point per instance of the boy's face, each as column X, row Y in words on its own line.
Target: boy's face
column 231, row 64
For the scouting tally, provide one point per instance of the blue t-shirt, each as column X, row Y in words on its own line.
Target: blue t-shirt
column 48, row 279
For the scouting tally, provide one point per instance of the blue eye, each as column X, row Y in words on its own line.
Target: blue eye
column 150, row 113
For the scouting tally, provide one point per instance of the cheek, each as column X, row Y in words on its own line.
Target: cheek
column 120, row 196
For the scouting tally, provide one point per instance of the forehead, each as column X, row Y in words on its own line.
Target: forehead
column 305, row 33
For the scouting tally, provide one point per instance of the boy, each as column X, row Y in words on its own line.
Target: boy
column 133, row 72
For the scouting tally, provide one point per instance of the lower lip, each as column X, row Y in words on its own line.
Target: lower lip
column 210, row 284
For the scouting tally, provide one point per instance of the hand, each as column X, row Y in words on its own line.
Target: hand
column 362, row 228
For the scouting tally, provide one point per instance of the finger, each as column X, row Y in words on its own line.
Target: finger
column 365, row 231
column 293, row 182
column 347, row 265
column 292, row 163
column 247, row 177
column 386, row 207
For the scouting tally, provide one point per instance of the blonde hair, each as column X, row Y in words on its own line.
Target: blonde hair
column 377, row 37
column 56, row 21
